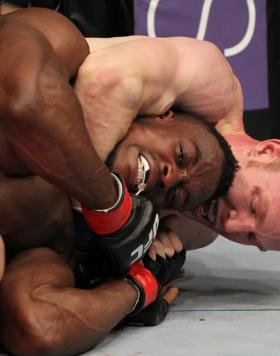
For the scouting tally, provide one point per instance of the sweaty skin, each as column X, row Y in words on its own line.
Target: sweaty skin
column 45, row 157
column 37, row 99
column 192, row 76
column 249, row 214
column 184, row 166
column 216, row 81
column 135, row 81
column 41, row 51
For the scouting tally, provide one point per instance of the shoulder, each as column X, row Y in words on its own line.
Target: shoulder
column 62, row 35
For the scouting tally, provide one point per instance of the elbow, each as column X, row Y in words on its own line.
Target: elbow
column 23, row 104
column 36, row 328
column 213, row 50
column 217, row 59
column 30, row 331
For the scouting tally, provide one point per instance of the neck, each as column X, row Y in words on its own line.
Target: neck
column 241, row 144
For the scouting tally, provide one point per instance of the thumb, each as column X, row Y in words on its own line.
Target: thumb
column 171, row 294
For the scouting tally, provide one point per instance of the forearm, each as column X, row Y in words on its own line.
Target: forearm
column 83, row 318
column 43, row 123
column 211, row 88
column 56, row 317
column 62, row 153
column 96, row 43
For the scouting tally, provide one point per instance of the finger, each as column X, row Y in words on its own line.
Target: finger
column 174, row 241
column 171, row 294
column 152, row 252
column 167, row 245
column 159, row 248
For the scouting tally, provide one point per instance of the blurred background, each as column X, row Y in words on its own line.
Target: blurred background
column 246, row 31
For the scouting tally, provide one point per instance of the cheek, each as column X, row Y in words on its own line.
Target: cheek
column 2, row 257
column 201, row 189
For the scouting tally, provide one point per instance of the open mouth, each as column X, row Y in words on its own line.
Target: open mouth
column 209, row 210
column 143, row 173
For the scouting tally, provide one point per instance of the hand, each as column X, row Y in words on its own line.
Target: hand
column 125, row 239
column 167, row 242
column 156, row 312
column 153, row 302
column 166, row 256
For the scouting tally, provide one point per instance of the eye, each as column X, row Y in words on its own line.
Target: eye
column 251, row 237
column 181, row 156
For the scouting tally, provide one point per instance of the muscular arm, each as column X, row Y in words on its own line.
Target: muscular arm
column 42, row 312
column 41, row 116
column 126, row 77
column 35, row 213
column 96, row 43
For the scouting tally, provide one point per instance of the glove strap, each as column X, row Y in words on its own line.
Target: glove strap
column 108, row 221
column 145, row 282
column 134, row 285
column 120, row 189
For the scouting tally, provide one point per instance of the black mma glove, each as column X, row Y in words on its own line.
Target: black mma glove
column 151, row 315
column 145, row 283
column 164, row 271
column 125, row 231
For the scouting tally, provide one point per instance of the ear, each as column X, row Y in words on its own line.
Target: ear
column 167, row 116
column 268, row 147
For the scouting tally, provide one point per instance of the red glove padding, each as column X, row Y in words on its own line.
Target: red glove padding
column 144, row 280
column 108, row 222
column 126, row 230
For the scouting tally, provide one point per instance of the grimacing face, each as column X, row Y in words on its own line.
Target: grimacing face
column 177, row 162
column 249, row 214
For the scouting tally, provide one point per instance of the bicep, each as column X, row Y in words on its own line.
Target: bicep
column 212, row 90
column 63, row 36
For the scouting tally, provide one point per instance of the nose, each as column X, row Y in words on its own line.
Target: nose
column 238, row 222
column 172, row 176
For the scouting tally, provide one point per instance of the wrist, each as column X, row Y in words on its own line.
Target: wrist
column 108, row 221
column 120, row 186
column 138, row 292
column 145, row 282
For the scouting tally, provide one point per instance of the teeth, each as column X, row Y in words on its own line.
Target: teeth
column 142, row 174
